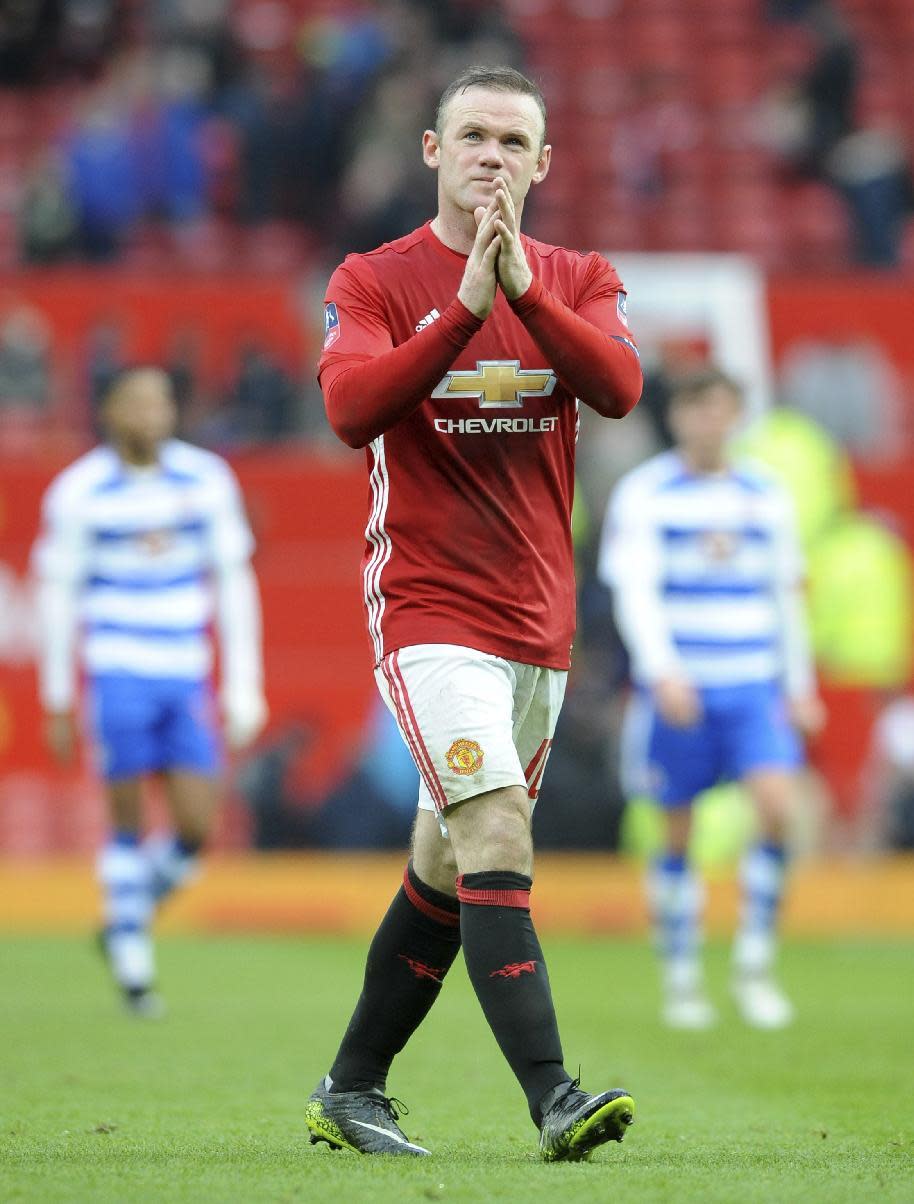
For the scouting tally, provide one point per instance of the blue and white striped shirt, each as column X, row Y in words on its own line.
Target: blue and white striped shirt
column 704, row 569
column 138, row 547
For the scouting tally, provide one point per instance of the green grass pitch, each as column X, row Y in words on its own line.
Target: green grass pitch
column 206, row 1104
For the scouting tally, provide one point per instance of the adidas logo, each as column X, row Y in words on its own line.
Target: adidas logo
column 428, row 319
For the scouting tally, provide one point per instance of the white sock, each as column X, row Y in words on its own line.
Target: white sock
column 676, row 899
column 132, row 959
column 762, row 879
column 125, row 880
column 170, row 863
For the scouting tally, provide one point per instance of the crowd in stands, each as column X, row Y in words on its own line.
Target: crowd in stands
column 273, row 136
column 838, row 120
column 210, row 132
column 259, row 136
column 177, row 129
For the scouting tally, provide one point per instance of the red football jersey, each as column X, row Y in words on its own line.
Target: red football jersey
column 469, row 533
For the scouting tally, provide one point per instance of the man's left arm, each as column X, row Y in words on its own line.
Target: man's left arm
column 238, row 616
column 806, row 708
column 589, row 349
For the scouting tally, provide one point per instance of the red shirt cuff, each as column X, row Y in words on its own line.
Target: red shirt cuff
column 529, row 299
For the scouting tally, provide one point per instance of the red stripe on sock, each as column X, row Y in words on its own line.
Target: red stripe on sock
column 449, row 918
column 493, row 898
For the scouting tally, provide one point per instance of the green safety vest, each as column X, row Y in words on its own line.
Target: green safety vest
column 813, row 468
column 861, row 596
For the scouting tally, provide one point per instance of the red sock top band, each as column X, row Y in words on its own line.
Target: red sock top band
column 492, row 898
column 449, row 918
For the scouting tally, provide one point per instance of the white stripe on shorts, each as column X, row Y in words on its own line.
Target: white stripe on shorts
column 410, row 729
column 377, row 536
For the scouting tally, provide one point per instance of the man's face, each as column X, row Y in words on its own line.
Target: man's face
column 703, row 425
column 485, row 134
column 142, row 410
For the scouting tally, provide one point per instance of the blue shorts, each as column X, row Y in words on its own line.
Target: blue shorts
column 743, row 729
column 145, row 724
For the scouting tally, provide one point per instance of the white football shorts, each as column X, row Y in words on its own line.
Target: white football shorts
column 473, row 721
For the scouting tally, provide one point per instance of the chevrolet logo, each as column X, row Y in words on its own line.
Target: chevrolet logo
column 497, row 383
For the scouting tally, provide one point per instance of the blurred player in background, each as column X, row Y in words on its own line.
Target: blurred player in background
column 703, row 559
column 140, row 537
column 454, row 356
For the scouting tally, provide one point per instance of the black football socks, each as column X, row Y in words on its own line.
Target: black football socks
column 506, row 968
column 414, row 947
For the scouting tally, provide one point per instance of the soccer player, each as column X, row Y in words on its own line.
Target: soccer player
column 142, row 539
column 702, row 556
column 455, row 356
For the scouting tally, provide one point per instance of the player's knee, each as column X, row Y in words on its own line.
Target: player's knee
column 436, row 867
column 497, row 835
column 774, row 819
column 774, row 801
column 432, row 854
column 125, row 804
column 447, row 862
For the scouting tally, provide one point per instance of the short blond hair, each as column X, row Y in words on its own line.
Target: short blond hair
column 496, row 79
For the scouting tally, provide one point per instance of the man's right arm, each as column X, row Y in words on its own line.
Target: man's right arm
column 368, row 384
column 807, row 710
column 629, row 564
column 58, row 563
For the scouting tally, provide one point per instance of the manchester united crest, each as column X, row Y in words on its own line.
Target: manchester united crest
column 465, row 757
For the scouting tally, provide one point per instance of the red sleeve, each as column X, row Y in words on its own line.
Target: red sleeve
column 368, row 384
column 589, row 348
